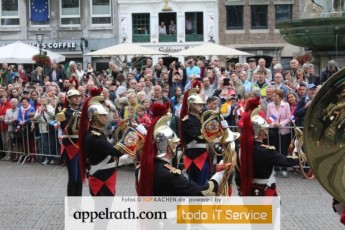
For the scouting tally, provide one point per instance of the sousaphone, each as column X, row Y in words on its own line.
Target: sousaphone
column 324, row 136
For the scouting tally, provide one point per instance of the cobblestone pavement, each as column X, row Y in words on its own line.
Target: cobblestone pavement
column 32, row 197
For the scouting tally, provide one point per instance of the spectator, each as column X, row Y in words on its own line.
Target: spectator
column 162, row 30
column 142, row 117
column 4, row 106
column 212, row 103
column 174, row 100
column 25, row 114
column 291, row 98
column 55, row 75
column 327, row 72
column 141, row 97
column 11, row 118
column 5, row 74
column 252, row 67
column 293, row 67
column 79, row 71
column 133, row 84
column 71, row 70
column 131, row 110
column 262, row 65
column 14, row 94
column 175, row 82
column 44, row 115
column 278, row 112
column 172, row 27
column 37, row 75
column 311, row 77
column 300, row 77
column 246, row 83
column 273, row 64
column 301, row 91
column 158, row 95
column 189, row 25
column 239, row 88
column 261, row 84
column 303, row 105
column 192, row 70
column 279, row 84
column 22, row 74
column 228, row 108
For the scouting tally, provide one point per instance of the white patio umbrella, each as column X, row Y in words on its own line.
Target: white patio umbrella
column 124, row 49
column 211, row 49
column 19, row 52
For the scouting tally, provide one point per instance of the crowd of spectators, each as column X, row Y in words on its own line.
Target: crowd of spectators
column 29, row 101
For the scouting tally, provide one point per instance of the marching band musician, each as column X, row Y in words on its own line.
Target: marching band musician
column 69, row 119
column 98, row 156
column 197, row 161
column 155, row 176
column 256, row 159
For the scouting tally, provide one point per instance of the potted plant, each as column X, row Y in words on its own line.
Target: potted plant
column 42, row 59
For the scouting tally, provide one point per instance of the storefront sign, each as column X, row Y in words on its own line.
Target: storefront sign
column 57, row 45
column 167, row 49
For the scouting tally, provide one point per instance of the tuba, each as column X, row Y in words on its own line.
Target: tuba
column 324, row 136
column 129, row 138
column 222, row 141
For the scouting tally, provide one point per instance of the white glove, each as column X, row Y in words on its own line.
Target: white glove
column 224, row 124
column 219, row 175
column 141, row 129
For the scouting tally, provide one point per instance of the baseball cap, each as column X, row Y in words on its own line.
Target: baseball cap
column 26, row 91
column 251, row 60
column 311, row 86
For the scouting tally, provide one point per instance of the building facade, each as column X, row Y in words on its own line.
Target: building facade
column 169, row 26
column 249, row 25
column 70, row 27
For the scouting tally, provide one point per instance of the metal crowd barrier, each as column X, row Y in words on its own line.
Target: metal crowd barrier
column 26, row 141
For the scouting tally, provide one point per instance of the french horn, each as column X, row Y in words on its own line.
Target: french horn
column 324, row 136
column 299, row 154
column 128, row 139
column 215, row 134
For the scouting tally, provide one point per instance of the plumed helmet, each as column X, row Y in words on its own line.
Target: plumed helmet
column 164, row 136
column 194, row 99
column 96, row 109
column 259, row 123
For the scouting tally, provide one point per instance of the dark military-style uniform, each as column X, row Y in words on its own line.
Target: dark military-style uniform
column 168, row 181
column 196, row 159
column 70, row 148
column 264, row 159
column 102, row 164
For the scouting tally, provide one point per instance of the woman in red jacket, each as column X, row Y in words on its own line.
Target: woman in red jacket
column 4, row 105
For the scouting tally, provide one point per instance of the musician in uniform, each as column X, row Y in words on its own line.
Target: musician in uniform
column 155, row 175
column 98, row 156
column 196, row 159
column 69, row 119
column 256, row 159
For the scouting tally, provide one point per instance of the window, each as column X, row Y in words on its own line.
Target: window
column 39, row 12
column 101, row 12
column 234, row 17
column 70, row 12
column 9, row 13
column 283, row 12
column 194, row 26
column 141, row 27
column 167, row 28
column 259, row 16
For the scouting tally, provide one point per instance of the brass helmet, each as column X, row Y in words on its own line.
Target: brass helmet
column 259, row 123
column 164, row 136
column 72, row 89
column 96, row 107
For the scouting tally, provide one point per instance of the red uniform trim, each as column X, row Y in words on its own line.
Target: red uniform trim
column 96, row 184
column 198, row 161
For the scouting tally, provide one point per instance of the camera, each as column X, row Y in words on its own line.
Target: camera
column 177, row 65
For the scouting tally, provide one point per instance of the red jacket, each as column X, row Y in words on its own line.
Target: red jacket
column 3, row 108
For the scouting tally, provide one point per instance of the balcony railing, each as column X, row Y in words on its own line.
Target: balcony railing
column 194, row 37
column 167, row 38
column 138, row 38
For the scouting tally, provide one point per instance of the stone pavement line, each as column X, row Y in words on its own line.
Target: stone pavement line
column 32, row 197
